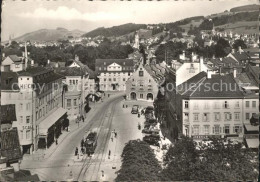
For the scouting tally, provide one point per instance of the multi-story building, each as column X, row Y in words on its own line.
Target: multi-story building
column 170, row 121
column 37, row 95
column 76, row 79
column 189, row 69
column 143, row 84
column 113, row 73
column 213, row 105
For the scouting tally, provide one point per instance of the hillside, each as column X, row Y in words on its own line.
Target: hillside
column 49, row 35
column 115, row 30
column 251, row 7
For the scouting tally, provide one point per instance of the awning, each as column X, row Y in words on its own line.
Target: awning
column 50, row 120
column 250, row 127
column 252, row 142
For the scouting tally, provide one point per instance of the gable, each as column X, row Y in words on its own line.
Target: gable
column 7, row 61
column 74, row 64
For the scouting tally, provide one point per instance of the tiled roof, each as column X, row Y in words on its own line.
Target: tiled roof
column 229, row 60
column 70, row 71
column 15, row 58
column 240, row 56
column 9, row 80
column 33, row 71
column 218, row 86
column 10, row 145
column 92, row 74
column 122, row 62
column 245, row 78
column 8, row 114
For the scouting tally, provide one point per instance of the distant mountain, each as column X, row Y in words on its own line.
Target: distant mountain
column 115, row 30
column 251, row 7
column 49, row 35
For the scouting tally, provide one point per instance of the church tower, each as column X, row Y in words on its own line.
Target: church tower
column 136, row 43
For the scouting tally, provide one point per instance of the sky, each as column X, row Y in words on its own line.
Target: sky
column 20, row 17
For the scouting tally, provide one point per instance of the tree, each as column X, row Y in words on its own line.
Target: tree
column 220, row 47
column 239, row 43
column 138, row 163
column 206, row 25
column 215, row 160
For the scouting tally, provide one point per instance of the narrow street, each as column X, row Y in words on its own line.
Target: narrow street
column 63, row 165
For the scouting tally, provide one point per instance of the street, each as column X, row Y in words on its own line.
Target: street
column 61, row 164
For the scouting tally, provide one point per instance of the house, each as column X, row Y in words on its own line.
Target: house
column 92, row 82
column 7, row 117
column 143, row 84
column 12, row 63
column 38, row 97
column 57, row 64
column 77, row 89
column 189, row 69
column 241, row 57
column 113, row 73
column 212, row 105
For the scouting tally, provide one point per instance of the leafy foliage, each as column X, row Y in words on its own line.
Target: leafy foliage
column 138, row 163
column 239, row 43
column 218, row 160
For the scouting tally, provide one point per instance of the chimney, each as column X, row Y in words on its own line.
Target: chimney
column 233, row 51
column 48, row 61
column 76, row 58
column 201, row 63
column 239, row 49
column 3, row 55
column 208, row 74
column 235, row 73
column 32, row 62
column 213, row 57
column 220, row 70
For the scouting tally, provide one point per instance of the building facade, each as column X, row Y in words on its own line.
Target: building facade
column 37, row 95
column 113, row 73
column 141, row 85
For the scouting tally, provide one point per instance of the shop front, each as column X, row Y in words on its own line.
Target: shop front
column 51, row 127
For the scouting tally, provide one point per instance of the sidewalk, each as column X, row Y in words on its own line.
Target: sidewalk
column 42, row 154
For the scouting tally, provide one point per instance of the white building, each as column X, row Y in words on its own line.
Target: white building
column 214, row 105
column 113, row 73
column 37, row 95
column 189, row 69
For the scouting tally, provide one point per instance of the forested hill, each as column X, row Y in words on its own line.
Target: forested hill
column 115, row 30
column 251, row 7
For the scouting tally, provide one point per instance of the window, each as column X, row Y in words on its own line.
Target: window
column 237, row 104
column 141, row 96
column 21, row 119
column 186, row 117
column 237, row 129
column 247, row 104
column 73, row 82
column 68, row 102
column 27, row 119
column 149, row 81
column 206, row 105
column 237, row 115
column 216, row 129
column 206, row 117
column 17, row 66
column 75, row 102
column 228, row 116
column 123, row 79
column 105, row 79
column 27, row 106
column 114, row 79
column 133, row 80
column 186, row 105
column 217, row 116
column 196, row 106
column 206, row 129
column 76, row 81
column 195, row 130
column 226, row 130
column 28, row 134
column 70, row 82
column 247, row 116
column 109, row 79
column 141, row 73
column 226, row 106
column 254, row 104
column 196, row 117
column 100, row 68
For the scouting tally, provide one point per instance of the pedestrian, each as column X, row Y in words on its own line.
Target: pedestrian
column 83, row 119
column 76, row 151
column 115, row 134
column 82, row 143
column 112, row 138
column 82, row 150
column 56, row 141
column 102, row 173
column 109, row 153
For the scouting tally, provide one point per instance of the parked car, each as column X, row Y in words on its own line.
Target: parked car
column 135, row 109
